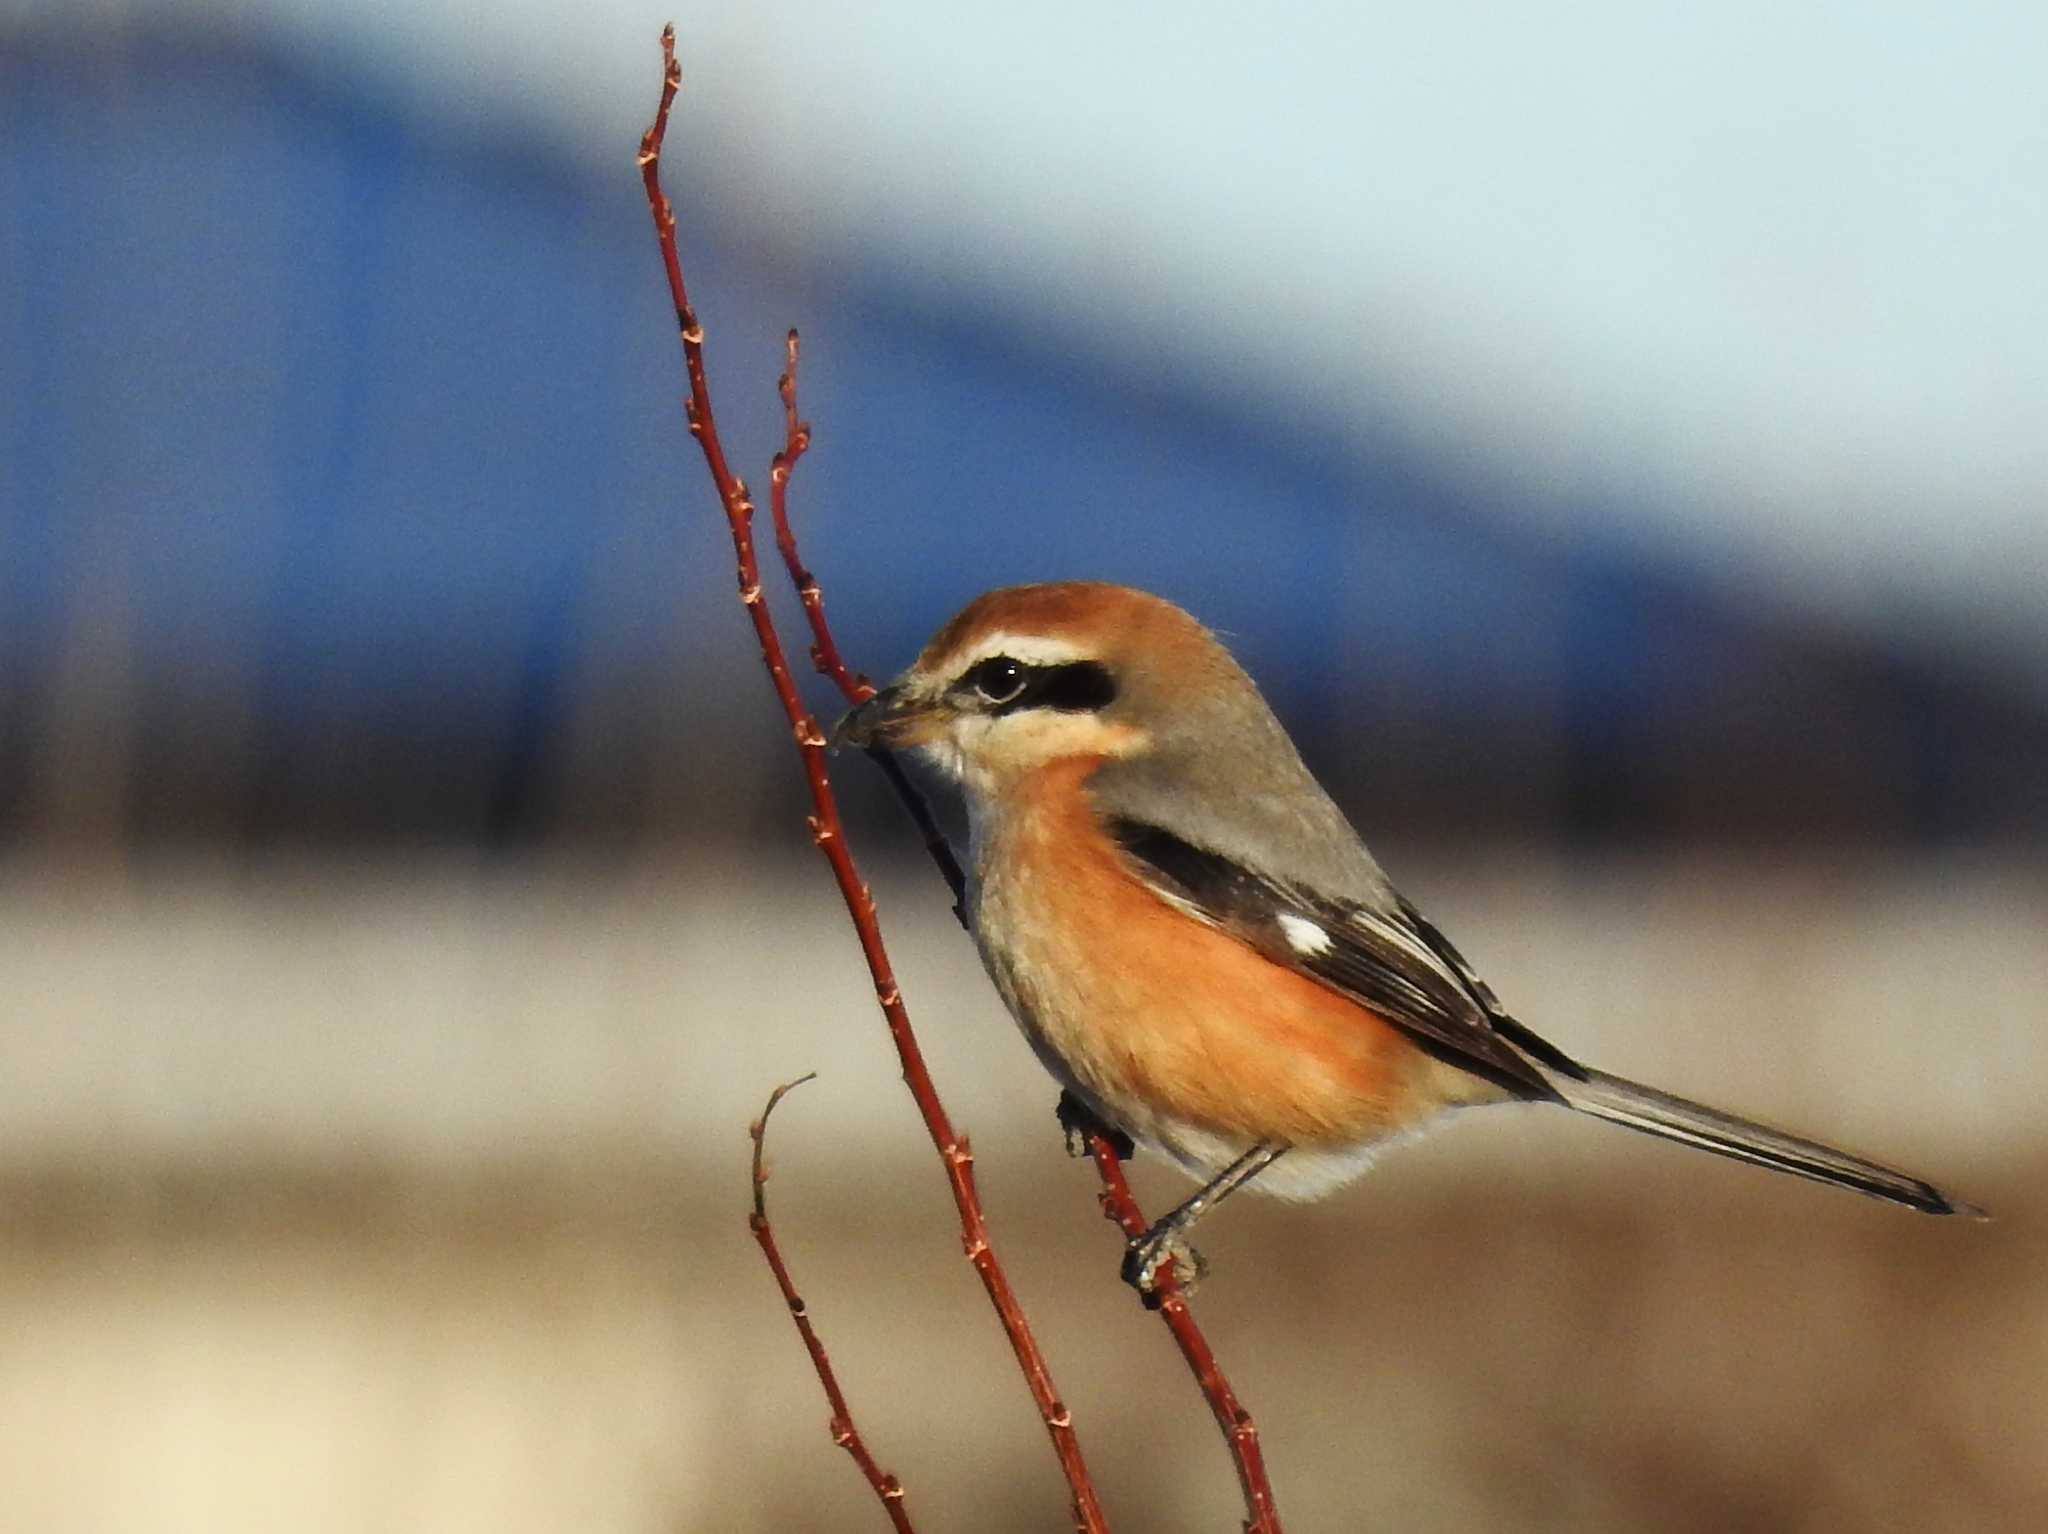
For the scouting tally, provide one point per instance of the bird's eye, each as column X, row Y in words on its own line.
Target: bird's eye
column 997, row 679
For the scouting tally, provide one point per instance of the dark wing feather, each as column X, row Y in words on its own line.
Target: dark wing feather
column 1503, row 1021
column 1391, row 961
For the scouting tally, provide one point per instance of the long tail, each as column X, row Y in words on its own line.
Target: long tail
column 1673, row 1118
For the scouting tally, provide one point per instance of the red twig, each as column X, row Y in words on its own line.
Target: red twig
column 796, row 441
column 1240, row 1433
column 829, row 834
column 887, row 1488
column 824, row 648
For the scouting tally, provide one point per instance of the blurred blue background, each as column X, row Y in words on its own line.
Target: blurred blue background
column 344, row 496
column 1614, row 440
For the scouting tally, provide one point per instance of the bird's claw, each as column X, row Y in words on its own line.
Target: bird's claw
column 1145, row 1255
column 1078, row 1122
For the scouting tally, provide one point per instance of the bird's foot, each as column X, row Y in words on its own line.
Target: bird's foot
column 1146, row 1255
column 1078, row 1122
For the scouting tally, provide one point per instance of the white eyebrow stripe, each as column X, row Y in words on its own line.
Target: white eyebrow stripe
column 1303, row 935
column 1031, row 649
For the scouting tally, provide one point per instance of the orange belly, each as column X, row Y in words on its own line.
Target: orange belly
column 1167, row 1022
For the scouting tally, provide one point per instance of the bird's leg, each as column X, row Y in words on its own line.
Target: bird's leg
column 1166, row 1240
column 1079, row 1121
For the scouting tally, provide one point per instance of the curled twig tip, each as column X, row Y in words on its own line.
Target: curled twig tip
column 886, row 1487
column 758, row 1133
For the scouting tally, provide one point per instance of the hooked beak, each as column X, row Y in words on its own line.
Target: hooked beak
column 888, row 721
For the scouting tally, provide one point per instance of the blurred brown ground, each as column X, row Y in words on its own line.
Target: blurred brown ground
column 409, row 1195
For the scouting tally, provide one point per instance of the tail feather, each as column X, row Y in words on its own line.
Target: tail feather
column 1673, row 1118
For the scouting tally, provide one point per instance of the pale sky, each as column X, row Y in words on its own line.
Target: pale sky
column 1774, row 271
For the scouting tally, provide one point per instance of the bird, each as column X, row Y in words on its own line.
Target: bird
column 1195, row 940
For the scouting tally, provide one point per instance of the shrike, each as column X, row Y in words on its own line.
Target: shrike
column 1195, row 940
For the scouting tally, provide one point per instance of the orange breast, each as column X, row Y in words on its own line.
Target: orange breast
column 1164, row 1019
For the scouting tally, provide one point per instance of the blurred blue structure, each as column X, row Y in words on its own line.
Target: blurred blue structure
column 345, row 495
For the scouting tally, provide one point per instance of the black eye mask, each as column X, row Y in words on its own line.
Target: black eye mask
column 1002, row 685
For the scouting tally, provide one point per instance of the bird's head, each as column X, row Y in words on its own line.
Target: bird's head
column 1028, row 676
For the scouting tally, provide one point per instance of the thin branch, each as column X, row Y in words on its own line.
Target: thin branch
column 857, row 689
column 927, row 825
column 796, row 441
column 829, row 835
column 1240, row 1432
column 887, row 1488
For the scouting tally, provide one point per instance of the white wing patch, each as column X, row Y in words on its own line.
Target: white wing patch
column 1303, row 935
